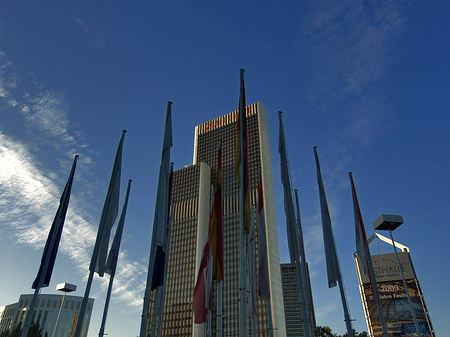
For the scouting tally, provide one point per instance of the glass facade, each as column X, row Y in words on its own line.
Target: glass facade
column 186, row 238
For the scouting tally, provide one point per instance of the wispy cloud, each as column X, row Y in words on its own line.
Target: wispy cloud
column 351, row 46
column 30, row 189
column 96, row 35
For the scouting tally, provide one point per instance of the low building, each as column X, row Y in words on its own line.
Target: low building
column 46, row 314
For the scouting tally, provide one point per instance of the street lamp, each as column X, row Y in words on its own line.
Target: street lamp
column 66, row 288
column 391, row 222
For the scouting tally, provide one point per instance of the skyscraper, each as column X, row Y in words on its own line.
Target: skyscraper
column 191, row 199
column 292, row 304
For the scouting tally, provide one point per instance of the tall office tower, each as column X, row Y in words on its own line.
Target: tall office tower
column 292, row 304
column 191, row 197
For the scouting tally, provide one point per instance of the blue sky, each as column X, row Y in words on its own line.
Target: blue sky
column 365, row 81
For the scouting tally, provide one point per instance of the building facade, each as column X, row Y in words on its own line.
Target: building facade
column 292, row 302
column 46, row 314
column 191, row 198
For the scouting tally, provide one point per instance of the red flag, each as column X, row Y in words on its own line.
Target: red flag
column 216, row 223
column 203, row 302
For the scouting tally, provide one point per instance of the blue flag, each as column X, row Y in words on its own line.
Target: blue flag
column 54, row 236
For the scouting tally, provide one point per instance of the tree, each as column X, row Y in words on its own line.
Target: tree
column 323, row 331
column 34, row 331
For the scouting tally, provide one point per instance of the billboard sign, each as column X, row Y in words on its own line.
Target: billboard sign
column 394, row 301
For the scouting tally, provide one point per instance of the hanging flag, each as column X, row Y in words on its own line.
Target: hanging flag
column 111, row 263
column 54, row 236
column 288, row 200
column 263, row 266
column 216, row 222
column 202, row 290
column 363, row 252
column 251, row 299
column 109, row 212
column 362, row 247
column 328, row 239
column 162, row 248
column 242, row 156
column 160, row 218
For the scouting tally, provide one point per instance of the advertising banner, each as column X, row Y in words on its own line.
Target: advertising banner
column 394, row 301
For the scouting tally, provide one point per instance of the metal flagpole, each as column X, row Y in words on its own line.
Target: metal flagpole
column 366, row 255
column 156, row 311
column 242, row 293
column 333, row 267
column 167, row 249
column 269, row 314
column 347, row 319
column 59, row 221
column 165, row 162
column 306, row 314
column 105, row 311
column 112, row 259
column 210, row 263
column 98, row 242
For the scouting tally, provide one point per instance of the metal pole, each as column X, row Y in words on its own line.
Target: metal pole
column 59, row 313
column 416, row 324
column 219, row 314
column 347, row 319
column 86, row 292
column 105, row 311
column 269, row 316
column 155, row 311
column 303, row 281
column 242, row 293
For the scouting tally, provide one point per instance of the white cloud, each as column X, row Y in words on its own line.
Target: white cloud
column 30, row 191
column 28, row 203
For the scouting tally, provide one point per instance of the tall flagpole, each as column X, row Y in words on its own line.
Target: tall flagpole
column 263, row 268
column 363, row 252
column 294, row 233
column 306, row 303
column 242, row 292
column 112, row 259
column 165, row 163
column 333, row 267
column 98, row 242
column 52, row 247
column 158, row 308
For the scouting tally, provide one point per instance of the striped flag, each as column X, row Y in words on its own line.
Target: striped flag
column 109, row 212
column 54, row 236
column 263, row 266
column 216, row 222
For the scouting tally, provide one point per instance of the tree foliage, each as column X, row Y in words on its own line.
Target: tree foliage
column 33, row 331
column 325, row 331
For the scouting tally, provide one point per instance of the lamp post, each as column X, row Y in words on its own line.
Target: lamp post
column 391, row 222
column 66, row 288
